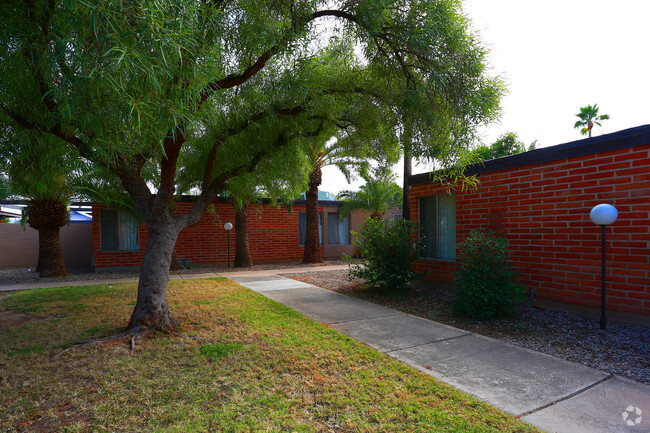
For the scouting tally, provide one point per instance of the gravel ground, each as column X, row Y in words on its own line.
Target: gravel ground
column 623, row 349
column 26, row 275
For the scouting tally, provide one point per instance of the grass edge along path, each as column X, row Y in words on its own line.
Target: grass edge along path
column 241, row 363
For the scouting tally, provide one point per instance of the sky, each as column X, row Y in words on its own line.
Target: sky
column 556, row 56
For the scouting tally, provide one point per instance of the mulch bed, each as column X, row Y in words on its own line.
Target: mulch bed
column 623, row 349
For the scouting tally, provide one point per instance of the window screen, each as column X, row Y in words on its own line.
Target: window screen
column 120, row 230
column 438, row 222
column 338, row 232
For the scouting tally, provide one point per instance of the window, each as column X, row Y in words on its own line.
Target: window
column 302, row 227
column 398, row 216
column 338, row 232
column 438, row 221
column 120, row 230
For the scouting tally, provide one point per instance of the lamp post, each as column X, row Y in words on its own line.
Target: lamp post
column 228, row 227
column 603, row 215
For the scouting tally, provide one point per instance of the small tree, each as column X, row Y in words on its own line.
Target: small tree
column 322, row 154
column 588, row 118
column 376, row 196
column 39, row 170
column 388, row 253
column 487, row 287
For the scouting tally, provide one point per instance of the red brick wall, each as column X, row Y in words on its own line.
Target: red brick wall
column 543, row 210
column 273, row 237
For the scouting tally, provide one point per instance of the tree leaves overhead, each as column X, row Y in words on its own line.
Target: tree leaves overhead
column 120, row 73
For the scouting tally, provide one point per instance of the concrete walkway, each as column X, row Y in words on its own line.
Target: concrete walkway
column 553, row 394
column 172, row 276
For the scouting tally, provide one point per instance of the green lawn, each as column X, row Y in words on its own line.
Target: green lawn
column 242, row 363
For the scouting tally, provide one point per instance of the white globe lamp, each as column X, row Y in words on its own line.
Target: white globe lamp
column 228, row 227
column 603, row 215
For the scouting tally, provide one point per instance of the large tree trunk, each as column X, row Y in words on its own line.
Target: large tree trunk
column 242, row 250
column 174, row 265
column 312, row 240
column 47, row 216
column 151, row 310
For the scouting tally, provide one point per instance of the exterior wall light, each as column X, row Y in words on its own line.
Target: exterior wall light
column 228, row 227
column 603, row 215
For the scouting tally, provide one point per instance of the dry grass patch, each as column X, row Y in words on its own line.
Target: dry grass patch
column 242, row 363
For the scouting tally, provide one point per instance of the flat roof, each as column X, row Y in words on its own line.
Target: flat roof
column 603, row 143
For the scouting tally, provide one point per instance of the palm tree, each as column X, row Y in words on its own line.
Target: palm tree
column 40, row 173
column 588, row 118
column 322, row 154
column 376, row 196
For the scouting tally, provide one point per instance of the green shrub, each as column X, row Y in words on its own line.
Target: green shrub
column 388, row 250
column 487, row 287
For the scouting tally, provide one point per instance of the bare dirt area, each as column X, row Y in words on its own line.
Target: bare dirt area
column 10, row 319
column 622, row 349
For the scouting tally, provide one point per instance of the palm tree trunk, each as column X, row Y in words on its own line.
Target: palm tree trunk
column 242, row 249
column 50, row 252
column 47, row 216
column 312, row 239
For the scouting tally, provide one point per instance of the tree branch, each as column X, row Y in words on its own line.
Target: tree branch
column 210, row 194
column 84, row 149
column 236, row 80
column 168, row 165
column 293, row 111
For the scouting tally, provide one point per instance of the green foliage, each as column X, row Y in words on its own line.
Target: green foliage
column 271, row 180
column 487, row 287
column 234, row 80
column 376, row 196
column 389, row 252
column 588, row 118
column 507, row 144
column 36, row 165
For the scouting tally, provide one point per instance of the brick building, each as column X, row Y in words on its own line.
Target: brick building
column 275, row 234
column 540, row 201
